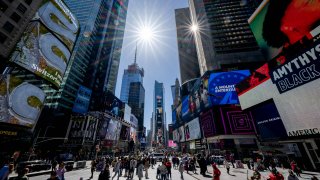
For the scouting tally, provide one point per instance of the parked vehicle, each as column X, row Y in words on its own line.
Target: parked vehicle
column 33, row 166
column 158, row 156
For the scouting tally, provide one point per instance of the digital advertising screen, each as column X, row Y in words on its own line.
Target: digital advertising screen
column 292, row 80
column 268, row 121
column 171, row 143
column 127, row 113
column 207, row 124
column 125, row 133
column 176, row 137
column 134, row 121
column 222, row 88
column 46, row 44
column 113, row 105
column 104, row 128
column 181, row 134
column 113, row 130
column 20, row 102
column 81, row 104
column 277, row 24
column 236, row 121
column 192, row 130
column 185, row 107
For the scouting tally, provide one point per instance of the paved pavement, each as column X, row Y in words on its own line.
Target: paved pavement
column 235, row 174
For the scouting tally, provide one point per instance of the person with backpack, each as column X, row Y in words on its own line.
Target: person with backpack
column 169, row 166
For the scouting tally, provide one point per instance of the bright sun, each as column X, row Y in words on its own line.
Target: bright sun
column 146, row 34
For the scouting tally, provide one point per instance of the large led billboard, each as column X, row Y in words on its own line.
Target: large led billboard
column 181, row 134
column 46, row 45
column 278, row 24
column 81, row 104
column 113, row 105
column 292, row 80
column 192, row 130
column 207, row 124
column 175, row 134
column 113, row 131
column 222, row 88
column 20, row 102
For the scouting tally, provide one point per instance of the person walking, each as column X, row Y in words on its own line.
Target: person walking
column 53, row 176
column 22, row 175
column 54, row 164
column 105, row 174
column 227, row 166
column 163, row 171
column 295, row 168
column 291, row 175
column 256, row 175
column 140, row 170
column 133, row 164
column 275, row 175
column 169, row 166
column 216, row 172
column 93, row 167
column 146, row 167
column 116, row 168
column 181, row 169
column 60, row 171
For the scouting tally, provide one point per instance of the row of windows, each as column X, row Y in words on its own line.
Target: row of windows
column 245, row 24
column 223, row 15
column 21, row 8
column 219, row 19
column 244, row 41
column 231, row 21
column 232, row 38
column 229, row 30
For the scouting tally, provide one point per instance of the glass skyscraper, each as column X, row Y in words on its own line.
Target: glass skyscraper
column 133, row 74
column 159, row 115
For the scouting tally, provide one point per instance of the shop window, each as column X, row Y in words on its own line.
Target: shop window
column 15, row 17
column 8, row 27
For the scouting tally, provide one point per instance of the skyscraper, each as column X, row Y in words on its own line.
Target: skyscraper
column 136, row 102
column 133, row 74
column 224, row 37
column 188, row 60
column 159, row 123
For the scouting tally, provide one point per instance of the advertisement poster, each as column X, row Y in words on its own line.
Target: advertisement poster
column 127, row 113
column 113, row 131
column 278, row 24
column 20, row 102
column 125, row 133
column 46, row 44
column 292, row 81
column 113, row 105
column 207, row 124
column 222, row 88
column 235, row 121
column 268, row 121
column 181, row 134
column 171, row 144
column 81, row 104
column 186, row 107
column 192, row 130
column 176, row 137
column 104, row 128
column 134, row 121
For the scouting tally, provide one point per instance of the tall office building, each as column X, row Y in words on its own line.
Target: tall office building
column 188, row 60
column 14, row 17
column 133, row 74
column 224, row 37
column 136, row 102
column 159, row 122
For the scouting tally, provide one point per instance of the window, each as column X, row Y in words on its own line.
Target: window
column 22, row 8
column 3, row 38
column 3, row 6
column 8, row 27
column 28, row 1
column 14, row 16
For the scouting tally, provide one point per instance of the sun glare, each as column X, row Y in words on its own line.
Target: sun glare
column 194, row 28
column 146, row 34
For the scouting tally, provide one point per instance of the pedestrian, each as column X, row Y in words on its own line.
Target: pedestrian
column 54, row 164
column 275, row 175
column 23, row 174
column 227, row 165
column 140, row 170
column 163, row 171
column 105, row 174
column 295, row 168
column 53, row 176
column 152, row 161
column 169, row 166
column 116, row 168
column 181, row 169
column 93, row 167
column 60, row 171
column 291, row 175
column 216, row 172
column 203, row 165
column 133, row 164
column 256, row 175
column 158, row 172
column 146, row 167
column 186, row 166
column 5, row 169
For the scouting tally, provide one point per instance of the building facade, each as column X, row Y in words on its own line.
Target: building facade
column 188, row 60
column 136, row 102
column 224, row 36
column 159, row 122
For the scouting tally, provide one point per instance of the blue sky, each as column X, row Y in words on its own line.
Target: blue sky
column 159, row 56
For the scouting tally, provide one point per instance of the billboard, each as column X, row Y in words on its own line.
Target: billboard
column 175, row 134
column 46, row 45
column 125, row 133
column 113, row 105
column 113, row 130
column 192, row 130
column 268, row 121
column 134, row 121
column 81, row 104
column 207, row 124
column 171, row 143
column 104, row 127
column 236, row 121
column 20, row 102
column 127, row 113
column 292, row 80
column 278, row 24
column 181, row 134
column 222, row 86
